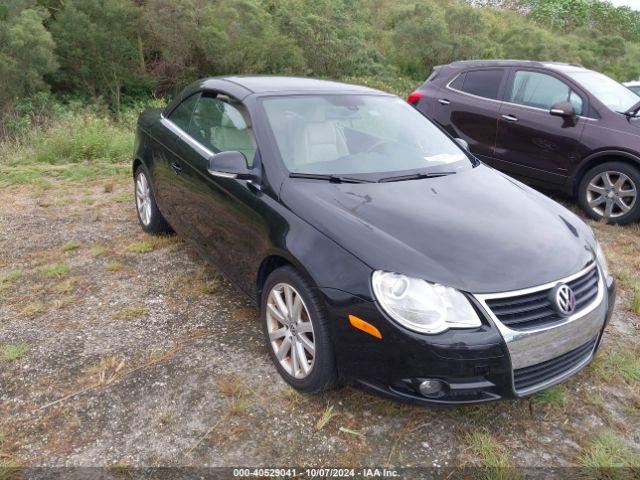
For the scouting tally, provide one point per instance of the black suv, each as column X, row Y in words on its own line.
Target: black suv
column 559, row 126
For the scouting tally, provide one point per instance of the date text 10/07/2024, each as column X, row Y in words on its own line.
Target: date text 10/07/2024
column 315, row 472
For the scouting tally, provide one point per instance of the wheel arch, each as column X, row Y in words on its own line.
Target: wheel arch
column 271, row 262
column 136, row 163
column 601, row 157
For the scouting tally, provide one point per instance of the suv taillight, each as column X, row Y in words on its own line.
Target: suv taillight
column 414, row 98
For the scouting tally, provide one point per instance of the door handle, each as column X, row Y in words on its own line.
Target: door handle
column 510, row 118
column 176, row 166
column 443, row 101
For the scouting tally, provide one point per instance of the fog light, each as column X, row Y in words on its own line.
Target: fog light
column 432, row 387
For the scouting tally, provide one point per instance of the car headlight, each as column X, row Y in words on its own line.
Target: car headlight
column 601, row 259
column 422, row 306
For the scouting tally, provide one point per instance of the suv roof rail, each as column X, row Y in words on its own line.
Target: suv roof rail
column 498, row 60
column 505, row 61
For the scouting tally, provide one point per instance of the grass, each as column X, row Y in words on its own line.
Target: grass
column 491, row 455
column 81, row 145
column 554, row 397
column 10, row 276
column 81, row 138
column 98, row 251
column 326, row 417
column 350, row 431
column 129, row 313
column 32, row 309
column 234, row 388
column 165, row 418
column 149, row 245
column 210, row 286
column 64, row 287
column 143, row 246
column 113, row 266
column 625, row 364
column 63, row 301
column 635, row 302
column 55, row 270
column 70, row 246
column 605, row 455
column 10, row 352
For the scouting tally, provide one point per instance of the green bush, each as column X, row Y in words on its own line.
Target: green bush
column 83, row 138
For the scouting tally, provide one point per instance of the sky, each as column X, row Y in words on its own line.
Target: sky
column 635, row 4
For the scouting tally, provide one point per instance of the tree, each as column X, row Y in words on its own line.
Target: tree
column 97, row 47
column 331, row 34
column 26, row 51
column 187, row 39
column 420, row 39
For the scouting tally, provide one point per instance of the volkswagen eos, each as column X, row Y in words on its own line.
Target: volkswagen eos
column 380, row 251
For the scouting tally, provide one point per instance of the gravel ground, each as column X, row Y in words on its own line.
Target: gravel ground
column 138, row 354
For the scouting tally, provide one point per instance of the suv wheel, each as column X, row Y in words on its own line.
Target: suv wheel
column 297, row 332
column 610, row 191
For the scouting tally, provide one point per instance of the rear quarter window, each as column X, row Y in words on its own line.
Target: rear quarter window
column 481, row 83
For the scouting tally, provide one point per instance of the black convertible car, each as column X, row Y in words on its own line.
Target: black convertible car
column 380, row 251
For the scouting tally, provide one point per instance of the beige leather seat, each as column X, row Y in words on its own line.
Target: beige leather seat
column 229, row 136
column 319, row 142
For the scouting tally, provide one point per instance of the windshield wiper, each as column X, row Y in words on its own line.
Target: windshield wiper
column 415, row 176
column 633, row 111
column 329, row 178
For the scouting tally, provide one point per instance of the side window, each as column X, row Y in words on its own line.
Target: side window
column 539, row 90
column 222, row 127
column 482, row 83
column 458, row 82
column 181, row 115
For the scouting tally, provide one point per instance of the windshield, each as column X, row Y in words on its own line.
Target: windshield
column 613, row 94
column 358, row 134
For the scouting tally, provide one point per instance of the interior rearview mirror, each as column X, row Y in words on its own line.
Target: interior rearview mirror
column 463, row 143
column 232, row 164
column 563, row 109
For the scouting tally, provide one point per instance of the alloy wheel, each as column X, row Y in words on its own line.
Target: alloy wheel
column 290, row 330
column 143, row 198
column 611, row 194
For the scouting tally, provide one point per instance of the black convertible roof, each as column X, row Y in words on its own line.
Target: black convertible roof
column 274, row 84
column 241, row 87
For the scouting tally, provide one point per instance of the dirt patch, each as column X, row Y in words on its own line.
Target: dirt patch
column 148, row 357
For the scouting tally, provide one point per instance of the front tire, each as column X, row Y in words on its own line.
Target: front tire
column 296, row 332
column 610, row 191
column 149, row 216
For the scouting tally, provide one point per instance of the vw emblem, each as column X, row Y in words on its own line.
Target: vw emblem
column 564, row 299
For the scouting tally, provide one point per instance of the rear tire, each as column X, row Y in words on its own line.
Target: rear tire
column 149, row 216
column 304, row 330
column 610, row 191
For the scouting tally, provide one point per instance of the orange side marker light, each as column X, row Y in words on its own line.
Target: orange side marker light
column 364, row 326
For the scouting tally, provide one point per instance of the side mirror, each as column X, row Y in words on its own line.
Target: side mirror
column 230, row 164
column 463, row 143
column 563, row 109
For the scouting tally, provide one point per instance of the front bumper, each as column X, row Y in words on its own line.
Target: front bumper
column 477, row 365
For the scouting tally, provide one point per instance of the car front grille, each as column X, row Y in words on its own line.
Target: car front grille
column 535, row 310
column 528, row 378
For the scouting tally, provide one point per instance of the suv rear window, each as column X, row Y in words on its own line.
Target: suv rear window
column 482, row 83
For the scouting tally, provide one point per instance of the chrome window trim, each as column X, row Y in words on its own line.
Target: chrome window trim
column 511, row 336
column 448, row 87
column 186, row 137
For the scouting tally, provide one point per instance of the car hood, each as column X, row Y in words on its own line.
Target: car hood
column 478, row 230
